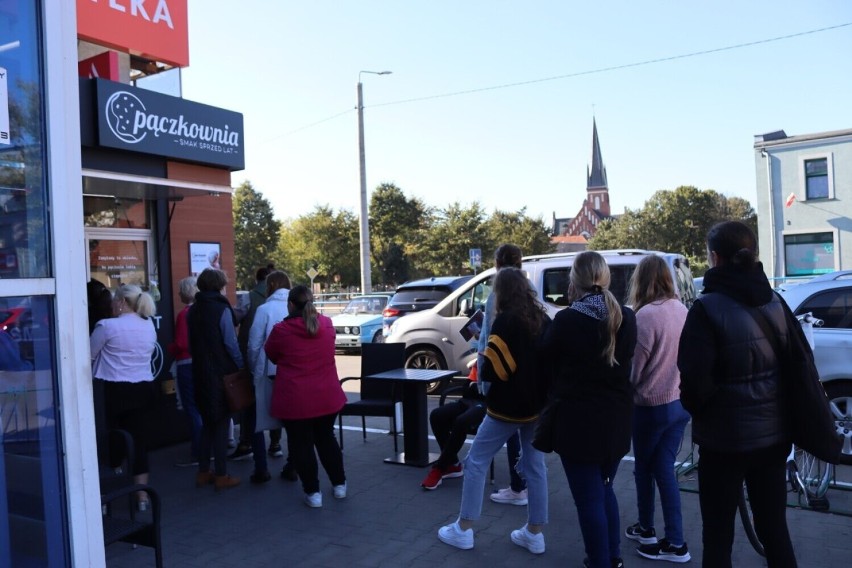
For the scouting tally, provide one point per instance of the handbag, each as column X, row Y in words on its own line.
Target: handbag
column 239, row 390
column 811, row 421
column 545, row 427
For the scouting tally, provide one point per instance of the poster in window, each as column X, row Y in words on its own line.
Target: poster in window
column 203, row 256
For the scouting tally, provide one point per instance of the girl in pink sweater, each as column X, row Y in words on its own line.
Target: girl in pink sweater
column 659, row 418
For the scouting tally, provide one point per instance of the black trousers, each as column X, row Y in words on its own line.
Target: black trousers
column 128, row 406
column 720, row 477
column 306, row 436
column 451, row 423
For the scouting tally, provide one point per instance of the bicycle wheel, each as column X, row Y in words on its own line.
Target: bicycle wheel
column 748, row 522
column 811, row 477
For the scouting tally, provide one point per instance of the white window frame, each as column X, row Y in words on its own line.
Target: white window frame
column 803, row 181
column 835, row 235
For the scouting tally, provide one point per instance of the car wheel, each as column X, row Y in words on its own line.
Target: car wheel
column 426, row 358
column 840, row 396
column 378, row 337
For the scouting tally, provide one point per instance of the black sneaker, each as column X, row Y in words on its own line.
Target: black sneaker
column 643, row 536
column 241, row 453
column 664, row 550
column 614, row 563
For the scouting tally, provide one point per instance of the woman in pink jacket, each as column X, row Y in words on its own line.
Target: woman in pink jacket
column 307, row 395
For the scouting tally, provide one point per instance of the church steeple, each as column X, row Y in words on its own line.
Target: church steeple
column 596, row 176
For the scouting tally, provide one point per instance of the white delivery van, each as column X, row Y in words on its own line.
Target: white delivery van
column 432, row 339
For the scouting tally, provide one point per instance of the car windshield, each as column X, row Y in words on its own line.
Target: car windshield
column 365, row 306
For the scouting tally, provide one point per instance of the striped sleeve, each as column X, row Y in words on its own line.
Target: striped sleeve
column 500, row 357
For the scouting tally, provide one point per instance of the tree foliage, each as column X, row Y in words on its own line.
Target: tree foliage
column 255, row 233
column 323, row 239
column 674, row 221
column 532, row 235
column 442, row 247
column 394, row 221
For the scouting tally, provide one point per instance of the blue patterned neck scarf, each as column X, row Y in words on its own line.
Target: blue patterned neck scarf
column 592, row 305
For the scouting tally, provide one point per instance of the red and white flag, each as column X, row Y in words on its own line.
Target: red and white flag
column 790, row 200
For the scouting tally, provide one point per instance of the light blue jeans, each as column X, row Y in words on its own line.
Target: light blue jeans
column 490, row 437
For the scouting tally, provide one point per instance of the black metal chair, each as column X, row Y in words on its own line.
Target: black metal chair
column 122, row 523
column 378, row 397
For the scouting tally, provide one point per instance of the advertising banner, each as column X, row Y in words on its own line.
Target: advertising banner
column 155, row 29
column 144, row 121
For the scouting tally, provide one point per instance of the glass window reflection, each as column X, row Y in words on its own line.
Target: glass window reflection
column 23, row 211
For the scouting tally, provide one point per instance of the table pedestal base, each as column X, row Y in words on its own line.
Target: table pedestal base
column 399, row 459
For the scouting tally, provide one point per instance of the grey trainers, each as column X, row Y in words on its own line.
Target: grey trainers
column 454, row 536
column 340, row 491
column 313, row 500
column 532, row 542
column 509, row 497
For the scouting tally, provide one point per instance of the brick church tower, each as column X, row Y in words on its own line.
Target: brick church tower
column 596, row 205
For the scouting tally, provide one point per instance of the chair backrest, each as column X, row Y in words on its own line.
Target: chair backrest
column 376, row 358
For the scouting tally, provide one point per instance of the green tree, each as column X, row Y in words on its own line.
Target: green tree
column 442, row 247
column 323, row 239
column 531, row 234
column 255, row 233
column 674, row 221
column 394, row 221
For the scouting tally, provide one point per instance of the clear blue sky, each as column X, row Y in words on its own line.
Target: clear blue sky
column 287, row 65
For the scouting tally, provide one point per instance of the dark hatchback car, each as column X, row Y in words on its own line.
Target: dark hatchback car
column 418, row 295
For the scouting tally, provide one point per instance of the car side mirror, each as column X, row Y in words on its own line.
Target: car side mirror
column 465, row 308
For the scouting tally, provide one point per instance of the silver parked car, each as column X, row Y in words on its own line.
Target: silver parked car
column 829, row 298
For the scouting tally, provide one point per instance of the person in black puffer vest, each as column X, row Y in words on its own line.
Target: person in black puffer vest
column 730, row 385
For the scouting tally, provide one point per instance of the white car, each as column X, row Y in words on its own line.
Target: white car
column 360, row 322
column 829, row 298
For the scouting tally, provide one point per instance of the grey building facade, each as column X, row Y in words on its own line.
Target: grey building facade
column 804, row 203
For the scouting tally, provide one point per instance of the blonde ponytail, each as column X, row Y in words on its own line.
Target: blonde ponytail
column 614, row 318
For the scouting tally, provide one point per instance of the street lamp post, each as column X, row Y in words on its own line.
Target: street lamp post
column 366, row 281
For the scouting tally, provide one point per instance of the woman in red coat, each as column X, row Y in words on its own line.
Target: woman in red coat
column 307, row 395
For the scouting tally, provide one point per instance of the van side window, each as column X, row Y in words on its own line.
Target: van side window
column 555, row 286
column 475, row 297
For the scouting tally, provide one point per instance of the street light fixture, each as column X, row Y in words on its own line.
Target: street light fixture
column 366, row 281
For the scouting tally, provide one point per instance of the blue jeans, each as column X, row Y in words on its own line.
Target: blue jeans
column 597, row 510
column 490, row 437
column 187, row 400
column 657, row 433
column 513, row 453
column 257, row 439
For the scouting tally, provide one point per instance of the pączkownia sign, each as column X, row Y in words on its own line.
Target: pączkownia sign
column 144, row 121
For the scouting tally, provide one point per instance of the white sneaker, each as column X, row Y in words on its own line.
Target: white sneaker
column 340, row 491
column 509, row 497
column 532, row 542
column 313, row 499
column 454, row 536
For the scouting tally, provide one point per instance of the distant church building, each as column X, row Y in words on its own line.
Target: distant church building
column 573, row 233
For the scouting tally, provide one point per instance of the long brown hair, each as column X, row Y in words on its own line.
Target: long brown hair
column 303, row 304
column 590, row 274
column 651, row 281
column 514, row 293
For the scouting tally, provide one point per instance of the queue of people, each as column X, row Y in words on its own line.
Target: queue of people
column 623, row 376
column 611, row 376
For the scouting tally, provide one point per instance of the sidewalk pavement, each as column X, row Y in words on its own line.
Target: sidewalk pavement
column 389, row 520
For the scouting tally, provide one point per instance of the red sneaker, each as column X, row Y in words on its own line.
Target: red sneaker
column 433, row 479
column 453, row 471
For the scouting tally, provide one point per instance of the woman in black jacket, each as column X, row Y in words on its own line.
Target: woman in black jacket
column 590, row 345
column 730, row 385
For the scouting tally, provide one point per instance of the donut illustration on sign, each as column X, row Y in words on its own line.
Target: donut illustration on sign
column 121, row 108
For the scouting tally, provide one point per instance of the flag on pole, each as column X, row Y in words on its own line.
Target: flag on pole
column 790, row 200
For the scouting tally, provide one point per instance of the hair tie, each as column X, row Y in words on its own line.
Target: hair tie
column 597, row 289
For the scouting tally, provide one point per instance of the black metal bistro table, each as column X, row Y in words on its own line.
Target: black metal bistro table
column 415, row 419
